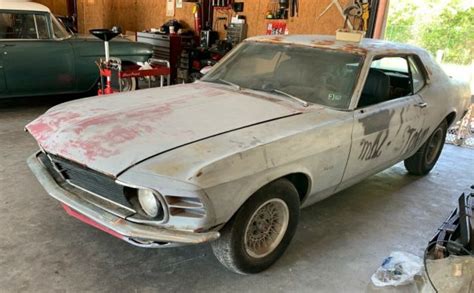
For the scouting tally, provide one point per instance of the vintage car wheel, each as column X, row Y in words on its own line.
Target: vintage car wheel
column 129, row 84
column 261, row 230
column 426, row 157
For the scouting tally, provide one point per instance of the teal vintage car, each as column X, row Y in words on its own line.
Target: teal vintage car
column 38, row 56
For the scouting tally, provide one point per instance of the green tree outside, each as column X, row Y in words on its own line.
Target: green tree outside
column 446, row 25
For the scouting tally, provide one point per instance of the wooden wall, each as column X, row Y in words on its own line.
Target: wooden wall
column 130, row 15
column 58, row 7
column 93, row 14
column 152, row 13
column 307, row 22
column 137, row 15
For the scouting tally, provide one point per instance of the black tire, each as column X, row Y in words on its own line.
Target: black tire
column 231, row 249
column 426, row 157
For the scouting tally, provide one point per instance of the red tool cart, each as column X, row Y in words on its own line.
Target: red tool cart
column 118, row 76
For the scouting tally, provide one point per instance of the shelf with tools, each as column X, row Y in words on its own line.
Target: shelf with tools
column 217, row 26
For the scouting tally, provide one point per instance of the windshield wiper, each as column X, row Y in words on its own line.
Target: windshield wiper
column 236, row 86
column 302, row 102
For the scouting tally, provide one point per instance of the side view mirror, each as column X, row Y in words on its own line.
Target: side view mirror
column 205, row 70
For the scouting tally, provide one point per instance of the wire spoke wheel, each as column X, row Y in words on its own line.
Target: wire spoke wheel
column 434, row 145
column 266, row 228
column 261, row 230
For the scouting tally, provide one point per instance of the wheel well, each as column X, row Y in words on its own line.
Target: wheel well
column 301, row 183
column 450, row 118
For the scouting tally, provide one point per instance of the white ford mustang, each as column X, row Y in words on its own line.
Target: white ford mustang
column 280, row 123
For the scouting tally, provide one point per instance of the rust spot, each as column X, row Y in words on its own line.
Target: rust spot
column 388, row 51
column 119, row 221
column 277, row 39
column 323, row 43
column 351, row 48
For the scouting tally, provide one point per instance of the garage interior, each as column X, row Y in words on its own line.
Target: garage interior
column 145, row 14
column 340, row 241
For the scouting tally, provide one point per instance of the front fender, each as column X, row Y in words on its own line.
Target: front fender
column 237, row 192
column 233, row 166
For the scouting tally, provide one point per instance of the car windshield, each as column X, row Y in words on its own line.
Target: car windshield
column 59, row 31
column 319, row 76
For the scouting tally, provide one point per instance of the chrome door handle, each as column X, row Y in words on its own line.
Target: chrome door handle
column 421, row 105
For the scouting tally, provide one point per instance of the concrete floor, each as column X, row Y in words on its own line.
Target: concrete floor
column 340, row 242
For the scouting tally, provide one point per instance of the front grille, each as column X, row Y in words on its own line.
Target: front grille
column 85, row 178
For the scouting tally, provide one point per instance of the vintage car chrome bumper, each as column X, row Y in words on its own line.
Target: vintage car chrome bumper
column 137, row 234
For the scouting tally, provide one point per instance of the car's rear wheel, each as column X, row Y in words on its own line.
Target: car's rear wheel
column 261, row 230
column 426, row 157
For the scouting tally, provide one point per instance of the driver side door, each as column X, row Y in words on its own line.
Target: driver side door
column 388, row 122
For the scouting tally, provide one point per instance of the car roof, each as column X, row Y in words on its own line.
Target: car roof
column 24, row 6
column 365, row 47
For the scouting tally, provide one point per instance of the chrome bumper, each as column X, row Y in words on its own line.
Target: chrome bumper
column 130, row 232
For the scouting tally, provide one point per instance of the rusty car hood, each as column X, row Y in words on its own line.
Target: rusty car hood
column 112, row 133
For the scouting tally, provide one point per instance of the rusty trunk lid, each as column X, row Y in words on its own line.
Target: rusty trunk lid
column 111, row 133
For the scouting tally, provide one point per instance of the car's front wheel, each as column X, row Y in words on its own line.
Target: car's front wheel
column 261, row 230
column 426, row 157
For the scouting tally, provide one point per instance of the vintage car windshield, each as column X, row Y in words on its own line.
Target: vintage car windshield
column 59, row 31
column 324, row 77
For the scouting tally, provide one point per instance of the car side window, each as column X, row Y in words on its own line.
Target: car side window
column 418, row 79
column 7, row 26
column 388, row 78
column 59, row 31
column 42, row 26
column 392, row 64
column 23, row 26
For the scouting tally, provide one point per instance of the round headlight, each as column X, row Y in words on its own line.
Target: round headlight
column 148, row 202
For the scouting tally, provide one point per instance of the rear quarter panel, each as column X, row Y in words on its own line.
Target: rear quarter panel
column 443, row 94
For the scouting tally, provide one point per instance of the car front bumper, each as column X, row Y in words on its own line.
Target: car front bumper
column 137, row 234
